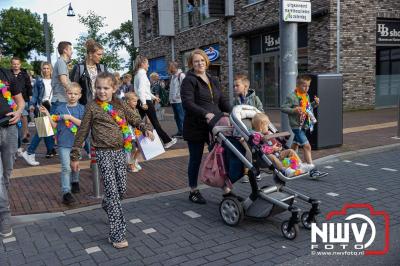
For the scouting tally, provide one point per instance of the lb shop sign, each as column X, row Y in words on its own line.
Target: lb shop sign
column 387, row 32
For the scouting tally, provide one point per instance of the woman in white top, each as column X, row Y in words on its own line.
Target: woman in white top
column 42, row 94
column 141, row 85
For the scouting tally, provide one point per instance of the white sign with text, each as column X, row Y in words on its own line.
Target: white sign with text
column 296, row 11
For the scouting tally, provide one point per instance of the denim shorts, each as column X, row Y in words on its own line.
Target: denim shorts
column 300, row 137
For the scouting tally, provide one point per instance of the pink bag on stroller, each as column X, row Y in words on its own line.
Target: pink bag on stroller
column 212, row 169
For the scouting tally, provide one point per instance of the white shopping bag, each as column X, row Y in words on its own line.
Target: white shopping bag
column 148, row 148
column 43, row 126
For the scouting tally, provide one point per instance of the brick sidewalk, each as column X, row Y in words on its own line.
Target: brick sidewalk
column 41, row 192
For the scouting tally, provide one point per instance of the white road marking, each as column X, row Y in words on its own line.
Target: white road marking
column 332, row 194
column 192, row 214
column 9, row 240
column 328, row 167
column 76, row 229
column 135, row 221
column 92, row 250
column 372, row 189
column 389, row 169
column 149, row 231
column 346, row 161
column 361, row 164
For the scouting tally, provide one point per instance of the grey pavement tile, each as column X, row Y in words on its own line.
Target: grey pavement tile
column 217, row 263
column 239, row 257
column 175, row 260
column 114, row 262
column 265, row 256
column 181, row 251
column 283, row 258
column 88, row 263
column 217, row 256
column 242, row 263
column 156, row 258
column 194, row 262
column 144, row 251
column 76, row 259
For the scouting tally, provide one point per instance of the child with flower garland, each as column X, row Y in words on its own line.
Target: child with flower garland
column 107, row 118
column 287, row 161
column 301, row 118
column 66, row 120
column 132, row 158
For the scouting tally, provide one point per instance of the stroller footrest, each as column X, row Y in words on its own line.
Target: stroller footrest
column 281, row 196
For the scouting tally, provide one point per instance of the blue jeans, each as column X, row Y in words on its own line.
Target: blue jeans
column 195, row 155
column 67, row 175
column 300, row 137
column 8, row 148
column 49, row 141
column 179, row 115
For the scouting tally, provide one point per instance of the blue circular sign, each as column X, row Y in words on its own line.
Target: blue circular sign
column 212, row 53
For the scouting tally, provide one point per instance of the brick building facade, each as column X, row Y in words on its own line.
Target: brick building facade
column 371, row 71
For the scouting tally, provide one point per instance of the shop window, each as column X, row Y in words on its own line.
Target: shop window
column 387, row 75
column 187, row 8
column 204, row 14
column 155, row 21
column 147, row 24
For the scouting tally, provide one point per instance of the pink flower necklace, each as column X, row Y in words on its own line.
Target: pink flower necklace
column 123, row 125
column 7, row 95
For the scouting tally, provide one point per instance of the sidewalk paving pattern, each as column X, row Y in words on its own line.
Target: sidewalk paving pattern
column 170, row 230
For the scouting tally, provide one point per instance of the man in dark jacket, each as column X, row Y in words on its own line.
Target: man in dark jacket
column 23, row 83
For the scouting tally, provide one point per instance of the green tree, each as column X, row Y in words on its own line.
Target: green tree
column 21, row 33
column 94, row 24
column 123, row 38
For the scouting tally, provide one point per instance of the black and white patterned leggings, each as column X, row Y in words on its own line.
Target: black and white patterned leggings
column 112, row 166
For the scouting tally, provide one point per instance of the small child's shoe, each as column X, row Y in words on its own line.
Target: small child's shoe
column 306, row 167
column 289, row 172
column 137, row 165
column 119, row 245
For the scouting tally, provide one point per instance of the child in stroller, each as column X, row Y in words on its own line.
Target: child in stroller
column 285, row 160
column 269, row 200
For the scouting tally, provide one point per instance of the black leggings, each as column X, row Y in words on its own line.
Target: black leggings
column 151, row 114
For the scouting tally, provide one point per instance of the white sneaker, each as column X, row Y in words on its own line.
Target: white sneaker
column 170, row 144
column 30, row 159
column 19, row 152
column 289, row 172
column 306, row 167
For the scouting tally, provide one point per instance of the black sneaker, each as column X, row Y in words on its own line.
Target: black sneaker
column 315, row 174
column 25, row 140
column 68, row 199
column 196, row 197
column 51, row 154
column 75, row 187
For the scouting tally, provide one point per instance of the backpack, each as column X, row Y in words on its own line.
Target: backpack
column 82, row 69
column 212, row 170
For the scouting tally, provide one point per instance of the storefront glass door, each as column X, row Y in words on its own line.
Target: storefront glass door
column 265, row 79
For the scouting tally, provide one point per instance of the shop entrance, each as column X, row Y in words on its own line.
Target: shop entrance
column 265, row 78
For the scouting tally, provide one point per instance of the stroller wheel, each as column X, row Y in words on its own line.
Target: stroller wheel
column 304, row 218
column 292, row 234
column 231, row 211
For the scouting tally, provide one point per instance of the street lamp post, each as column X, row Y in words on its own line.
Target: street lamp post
column 70, row 13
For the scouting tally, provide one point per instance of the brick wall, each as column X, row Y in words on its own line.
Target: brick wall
column 357, row 40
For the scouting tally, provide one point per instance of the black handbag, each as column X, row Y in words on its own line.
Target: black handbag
column 4, row 122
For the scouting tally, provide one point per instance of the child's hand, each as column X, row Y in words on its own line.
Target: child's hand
column 298, row 110
column 43, row 110
column 67, row 117
column 74, row 166
column 316, row 99
column 149, row 134
column 276, row 147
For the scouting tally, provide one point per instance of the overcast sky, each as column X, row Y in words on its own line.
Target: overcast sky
column 68, row 28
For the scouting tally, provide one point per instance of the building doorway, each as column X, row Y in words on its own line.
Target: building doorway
column 265, row 78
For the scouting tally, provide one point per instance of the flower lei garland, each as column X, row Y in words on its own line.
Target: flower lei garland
column 126, row 133
column 7, row 95
column 69, row 124
column 293, row 163
column 305, row 106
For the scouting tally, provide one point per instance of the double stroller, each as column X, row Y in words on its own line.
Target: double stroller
column 268, row 200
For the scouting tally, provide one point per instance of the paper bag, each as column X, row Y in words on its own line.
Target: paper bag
column 43, row 126
column 148, row 148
